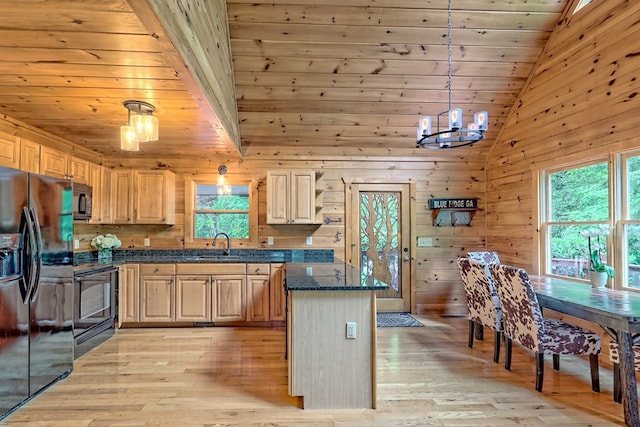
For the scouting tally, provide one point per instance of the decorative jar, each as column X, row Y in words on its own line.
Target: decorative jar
column 105, row 256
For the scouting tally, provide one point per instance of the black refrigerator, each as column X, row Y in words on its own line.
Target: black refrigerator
column 36, row 285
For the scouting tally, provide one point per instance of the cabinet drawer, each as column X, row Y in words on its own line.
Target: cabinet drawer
column 258, row 269
column 212, row 269
column 157, row 269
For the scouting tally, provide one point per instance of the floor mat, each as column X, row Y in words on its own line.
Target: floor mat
column 395, row 320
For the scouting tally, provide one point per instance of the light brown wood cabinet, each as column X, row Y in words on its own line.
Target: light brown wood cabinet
column 29, row 156
column 9, row 151
column 128, row 293
column 291, row 197
column 154, row 197
column 157, row 292
column 138, row 196
column 229, row 298
column 54, row 162
column 258, row 292
column 95, row 181
column 78, row 170
column 277, row 299
column 193, row 298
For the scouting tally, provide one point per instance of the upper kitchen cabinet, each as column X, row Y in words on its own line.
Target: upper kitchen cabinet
column 140, row 197
column 29, row 156
column 154, row 197
column 292, row 197
column 61, row 165
column 9, row 151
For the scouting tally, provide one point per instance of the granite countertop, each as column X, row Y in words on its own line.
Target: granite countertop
column 337, row 275
column 88, row 260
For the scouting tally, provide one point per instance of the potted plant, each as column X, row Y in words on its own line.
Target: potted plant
column 599, row 272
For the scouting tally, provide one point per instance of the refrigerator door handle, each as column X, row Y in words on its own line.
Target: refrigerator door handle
column 29, row 263
column 38, row 239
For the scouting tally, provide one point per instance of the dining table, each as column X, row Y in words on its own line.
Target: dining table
column 616, row 310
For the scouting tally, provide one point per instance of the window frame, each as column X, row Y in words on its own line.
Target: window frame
column 190, row 192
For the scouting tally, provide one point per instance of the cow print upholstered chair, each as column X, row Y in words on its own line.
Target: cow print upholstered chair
column 524, row 323
column 487, row 257
column 482, row 300
column 614, row 357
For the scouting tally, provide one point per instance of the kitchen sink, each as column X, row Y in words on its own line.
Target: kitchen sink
column 213, row 258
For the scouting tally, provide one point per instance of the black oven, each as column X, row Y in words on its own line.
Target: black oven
column 95, row 306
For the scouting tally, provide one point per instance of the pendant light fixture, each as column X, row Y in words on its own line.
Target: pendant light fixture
column 455, row 135
column 141, row 126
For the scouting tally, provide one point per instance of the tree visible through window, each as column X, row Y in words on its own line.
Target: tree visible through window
column 221, row 209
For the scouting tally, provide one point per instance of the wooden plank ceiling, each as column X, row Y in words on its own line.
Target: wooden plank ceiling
column 311, row 77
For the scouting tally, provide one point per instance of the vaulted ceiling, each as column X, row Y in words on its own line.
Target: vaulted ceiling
column 319, row 76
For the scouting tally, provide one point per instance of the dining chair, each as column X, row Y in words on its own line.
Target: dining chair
column 524, row 323
column 482, row 300
column 488, row 257
column 614, row 357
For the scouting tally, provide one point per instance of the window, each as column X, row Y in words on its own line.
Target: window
column 581, row 4
column 211, row 208
column 600, row 200
column 576, row 208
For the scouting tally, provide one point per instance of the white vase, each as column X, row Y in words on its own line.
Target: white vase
column 598, row 279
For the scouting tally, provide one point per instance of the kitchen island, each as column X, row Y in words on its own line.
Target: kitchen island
column 331, row 336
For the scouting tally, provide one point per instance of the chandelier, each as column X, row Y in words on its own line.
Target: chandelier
column 142, row 126
column 454, row 135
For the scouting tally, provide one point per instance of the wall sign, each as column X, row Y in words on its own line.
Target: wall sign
column 453, row 212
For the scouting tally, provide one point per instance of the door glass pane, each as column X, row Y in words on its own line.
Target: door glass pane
column 379, row 240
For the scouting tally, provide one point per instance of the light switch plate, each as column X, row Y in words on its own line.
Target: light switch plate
column 147, row 241
column 425, row 242
column 309, row 240
column 76, row 244
column 351, row 330
column 270, row 240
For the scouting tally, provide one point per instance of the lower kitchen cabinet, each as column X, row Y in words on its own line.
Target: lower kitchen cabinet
column 193, row 298
column 196, row 292
column 229, row 299
column 128, row 293
column 157, row 292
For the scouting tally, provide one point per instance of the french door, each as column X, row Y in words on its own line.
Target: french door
column 378, row 241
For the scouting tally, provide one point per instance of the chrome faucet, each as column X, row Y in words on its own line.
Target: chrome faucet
column 226, row 251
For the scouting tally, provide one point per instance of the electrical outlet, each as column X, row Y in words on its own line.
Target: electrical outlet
column 351, row 330
column 270, row 240
column 76, row 244
column 309, row 241
column 147, row 241
column 425, row 242
column 309, row 271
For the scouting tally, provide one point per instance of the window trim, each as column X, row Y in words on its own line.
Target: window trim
column 190, row 188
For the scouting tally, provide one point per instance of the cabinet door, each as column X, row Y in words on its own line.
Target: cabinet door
column 95, row 181
column 228, row 298
column 277, row 300
column 54, row 162
column 154, row 197
column 106, row 196
column 193, row 298
column 79, row 170
column 278, row 194
column 258, row 298
column 122, row 197
column 128, row 293
column 29, row 156
column 303, row 197
column 9, row 151
column 157, row 295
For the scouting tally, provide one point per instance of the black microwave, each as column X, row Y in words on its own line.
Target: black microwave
column 82, row 195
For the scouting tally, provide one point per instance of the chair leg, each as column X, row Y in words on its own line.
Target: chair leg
column 595, row 373
column 479, row 331
column 617, row 389
column 471, row 327
column 556, row 362
column 539, row 370
column 507, row 359
column 496, row 347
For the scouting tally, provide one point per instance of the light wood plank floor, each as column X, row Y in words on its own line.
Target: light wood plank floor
column 237, row 377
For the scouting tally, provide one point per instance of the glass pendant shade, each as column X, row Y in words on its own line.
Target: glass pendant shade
column 139, row 127
column 151, row 126
column 128, row 141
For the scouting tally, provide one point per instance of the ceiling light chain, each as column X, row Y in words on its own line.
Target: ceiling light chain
column 455, row 135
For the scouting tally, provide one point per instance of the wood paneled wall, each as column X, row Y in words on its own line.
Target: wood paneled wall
column 437, row 282
column 580, row 103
